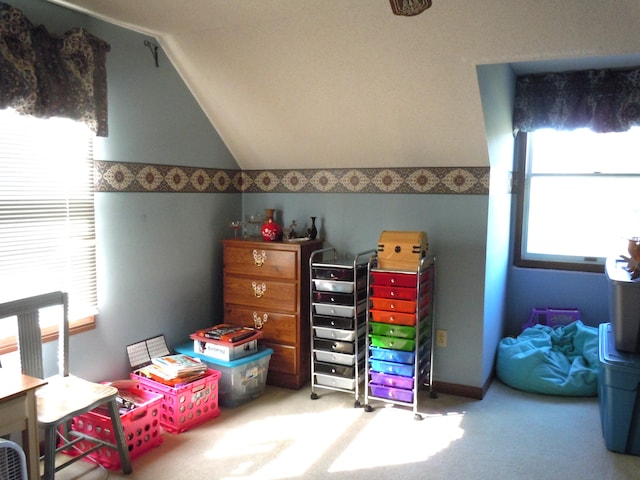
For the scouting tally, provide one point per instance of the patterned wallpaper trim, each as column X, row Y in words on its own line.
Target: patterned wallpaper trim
column 139, row 177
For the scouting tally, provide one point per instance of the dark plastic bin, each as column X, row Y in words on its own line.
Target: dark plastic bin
column 618, row 381
column 624, row 306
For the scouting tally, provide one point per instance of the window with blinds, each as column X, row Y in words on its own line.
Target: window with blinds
column 47, row 234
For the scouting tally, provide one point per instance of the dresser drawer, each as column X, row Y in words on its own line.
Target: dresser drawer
column 280, row 327
column 283, row 359
column 261, row 293
column 253, row 260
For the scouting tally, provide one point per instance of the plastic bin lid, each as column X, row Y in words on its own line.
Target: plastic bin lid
column 630, row 362
column 187, row 349
column 141, row 353
column 616, row 272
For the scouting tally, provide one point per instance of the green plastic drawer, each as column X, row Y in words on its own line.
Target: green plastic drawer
column 391, row 330
column 393, row 342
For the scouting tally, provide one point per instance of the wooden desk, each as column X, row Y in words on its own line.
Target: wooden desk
column 19, row 413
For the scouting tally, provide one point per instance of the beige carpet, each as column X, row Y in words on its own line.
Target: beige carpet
column 286, row 435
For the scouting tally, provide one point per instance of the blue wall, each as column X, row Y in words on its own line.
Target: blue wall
column 159, row 255
column 159, row 261
column 456, row 227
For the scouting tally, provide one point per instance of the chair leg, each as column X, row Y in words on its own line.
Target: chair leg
column 121, row 442
column 50, row 438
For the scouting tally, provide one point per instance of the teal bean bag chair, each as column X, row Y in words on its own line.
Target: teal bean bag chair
column 555, row 361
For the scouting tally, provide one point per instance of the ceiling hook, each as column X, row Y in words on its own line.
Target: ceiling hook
column 154, row 50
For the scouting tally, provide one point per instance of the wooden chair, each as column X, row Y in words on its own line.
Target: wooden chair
column 65, row 396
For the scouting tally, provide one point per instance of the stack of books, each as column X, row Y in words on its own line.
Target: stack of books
column 174, row 370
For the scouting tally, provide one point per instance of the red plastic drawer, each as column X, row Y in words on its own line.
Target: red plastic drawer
column 401, row 293
column 398, row 279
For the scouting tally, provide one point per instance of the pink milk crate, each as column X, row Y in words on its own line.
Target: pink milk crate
column 141, row 426
column 182, row 406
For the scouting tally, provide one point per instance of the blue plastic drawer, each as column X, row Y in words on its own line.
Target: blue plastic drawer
column 393, row 368
column 389, row 355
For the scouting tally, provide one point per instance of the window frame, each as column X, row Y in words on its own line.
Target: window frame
column 521, row 149
column 85, row 317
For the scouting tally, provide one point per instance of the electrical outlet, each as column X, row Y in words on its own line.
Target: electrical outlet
column 441, row 338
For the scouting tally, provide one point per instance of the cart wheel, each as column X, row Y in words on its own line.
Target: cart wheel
column 357, row 404
column 417, row 416
column 368, row 408
column 314, row 396
column 433, row 394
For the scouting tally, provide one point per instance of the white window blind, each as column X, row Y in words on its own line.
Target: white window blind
column 47, row 234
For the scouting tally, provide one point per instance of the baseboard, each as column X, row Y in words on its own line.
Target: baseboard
column 476, row 393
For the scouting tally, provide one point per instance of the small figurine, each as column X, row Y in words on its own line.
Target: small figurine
column 292, row 230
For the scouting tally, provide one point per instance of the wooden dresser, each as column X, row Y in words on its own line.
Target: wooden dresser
column 266, row 285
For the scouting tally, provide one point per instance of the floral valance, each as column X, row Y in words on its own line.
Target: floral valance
column 49, row 75
column 602, row 100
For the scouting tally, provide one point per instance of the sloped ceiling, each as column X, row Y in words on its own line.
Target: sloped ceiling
column 335, row 83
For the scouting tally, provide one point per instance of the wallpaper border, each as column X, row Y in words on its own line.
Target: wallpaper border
column 145, row 177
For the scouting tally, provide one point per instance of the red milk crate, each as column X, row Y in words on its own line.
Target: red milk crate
column 183, row 406
column 141, row 426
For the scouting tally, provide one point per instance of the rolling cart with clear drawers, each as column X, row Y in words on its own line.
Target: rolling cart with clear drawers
column 400, row 334
column 338, row 321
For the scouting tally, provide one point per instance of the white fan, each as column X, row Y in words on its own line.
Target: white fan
column 13, row 463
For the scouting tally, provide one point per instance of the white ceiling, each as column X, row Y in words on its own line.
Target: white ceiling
column 345, row 83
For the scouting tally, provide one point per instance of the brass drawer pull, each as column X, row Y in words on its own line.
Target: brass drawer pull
column 259, row 257
column 258, row 289
column 259, row 322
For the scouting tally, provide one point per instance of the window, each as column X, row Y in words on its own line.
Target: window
column 47, row 236
column 578, row 197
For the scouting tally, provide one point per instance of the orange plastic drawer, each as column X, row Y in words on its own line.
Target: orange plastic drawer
column 396, row 318
column 403, row 306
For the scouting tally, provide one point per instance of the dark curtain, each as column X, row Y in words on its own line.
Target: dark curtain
column 47, row 75
column 602, row 100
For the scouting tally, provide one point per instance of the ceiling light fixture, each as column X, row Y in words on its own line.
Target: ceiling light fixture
column 409, row 8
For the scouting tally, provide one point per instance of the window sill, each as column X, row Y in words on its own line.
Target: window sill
column 50, row 334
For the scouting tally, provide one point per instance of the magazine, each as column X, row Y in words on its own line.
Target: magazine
column 179, row 365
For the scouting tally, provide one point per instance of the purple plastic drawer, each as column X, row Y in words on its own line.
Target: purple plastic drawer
column 398, row 394
column 392, row 380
